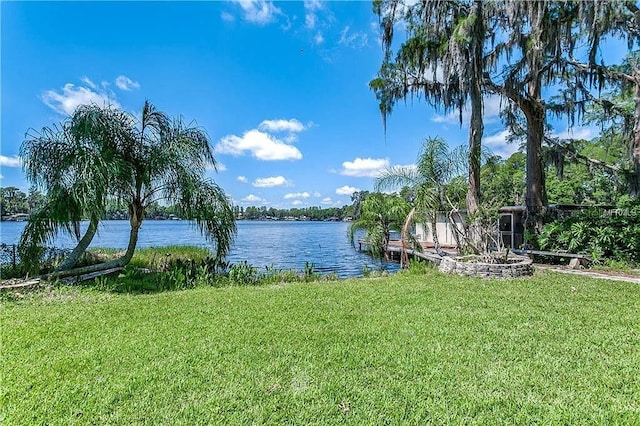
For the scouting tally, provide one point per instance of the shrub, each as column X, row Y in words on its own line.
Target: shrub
column 612, row 235
column 244, row 273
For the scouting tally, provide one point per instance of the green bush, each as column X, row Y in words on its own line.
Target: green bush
column 603, row 235
column 244, row 273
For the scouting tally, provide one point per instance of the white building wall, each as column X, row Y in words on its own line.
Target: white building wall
column 444, row 228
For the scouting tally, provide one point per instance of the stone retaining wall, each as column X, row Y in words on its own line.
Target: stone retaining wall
column 517, row 267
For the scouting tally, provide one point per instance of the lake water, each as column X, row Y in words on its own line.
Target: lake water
column 285, row 245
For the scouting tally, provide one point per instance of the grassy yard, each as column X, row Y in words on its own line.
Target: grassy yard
column 411, row 349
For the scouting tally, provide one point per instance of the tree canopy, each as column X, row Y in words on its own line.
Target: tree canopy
column 104, row 153
column 458, row 51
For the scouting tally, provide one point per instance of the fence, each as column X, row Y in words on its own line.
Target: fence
column 9, row 255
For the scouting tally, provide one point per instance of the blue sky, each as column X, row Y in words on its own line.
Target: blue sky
column 281, row 88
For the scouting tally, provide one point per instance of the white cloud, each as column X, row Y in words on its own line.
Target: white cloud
column 310, row 20
column 10, row 161
column 1, row 177
column 270, row 182
column 88, row 82
column 498, row 142
column 290, row 138
column 326, row 200
column 259, row 12
column 317, row 194
column 227, row 17
column 242, row 179
column 297, row 195
column 71, row 97
column 318, row 38
column 125, row 83
column 311, row 7
column 491, row 112
column 297, row 203
column 346, row 190
column 498, row 145
column 252, row 199
column 585, row 133
column 281, row 125
column 260, row 145
column 364, row 167
column 357, row 39
column 220, row 167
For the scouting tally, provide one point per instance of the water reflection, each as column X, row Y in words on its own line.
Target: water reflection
column 284, row 245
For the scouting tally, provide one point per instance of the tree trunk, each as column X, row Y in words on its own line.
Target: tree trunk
column 434, row 234
column 136, row 216
column 634, row 176
column 476, row 127
column 535, row 199
column 72, row 259
column 404, row 257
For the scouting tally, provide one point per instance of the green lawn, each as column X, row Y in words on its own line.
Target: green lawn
column 552, row 349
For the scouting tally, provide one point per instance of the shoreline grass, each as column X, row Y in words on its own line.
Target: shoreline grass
column 399, row 349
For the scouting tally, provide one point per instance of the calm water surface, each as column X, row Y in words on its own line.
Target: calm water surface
column 286, row 245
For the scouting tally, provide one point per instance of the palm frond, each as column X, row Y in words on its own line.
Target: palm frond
column 396, row 177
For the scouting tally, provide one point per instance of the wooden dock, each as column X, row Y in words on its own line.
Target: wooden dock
column 394, row 249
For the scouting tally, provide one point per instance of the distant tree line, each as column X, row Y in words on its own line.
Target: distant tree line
column 14, row 201
column 304, row 213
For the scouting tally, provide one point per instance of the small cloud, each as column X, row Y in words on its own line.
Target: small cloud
column 88, row 82
column 10, row 161
column 1, row 177
column 346, row 190
column 220, row 167
column 260, row 145
column 318, row 38
column 326, row 200
column 296, row 195
column 271, row 182
column 297, row 203
column 242, row 179
column 71, row 97
column 580, row 133
column 227, row 17
column 364, row 167
column 310, row 17
column 317, row 194
column 125, row 83
column 252, row 199
column 281, row 125
column 355, row 40
column 259, row 12
column 498, row 144
column 492, row 105
column 310, row 20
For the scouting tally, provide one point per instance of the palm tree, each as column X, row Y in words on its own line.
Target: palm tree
column 74, row 174
column 139, row 162
column 159, row 160
column 380, row 215
column 438, row 182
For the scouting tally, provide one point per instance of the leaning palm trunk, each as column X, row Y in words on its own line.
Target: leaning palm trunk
column 72, row 259
column 404, row 256
column 116, row 263
column 434, row 234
